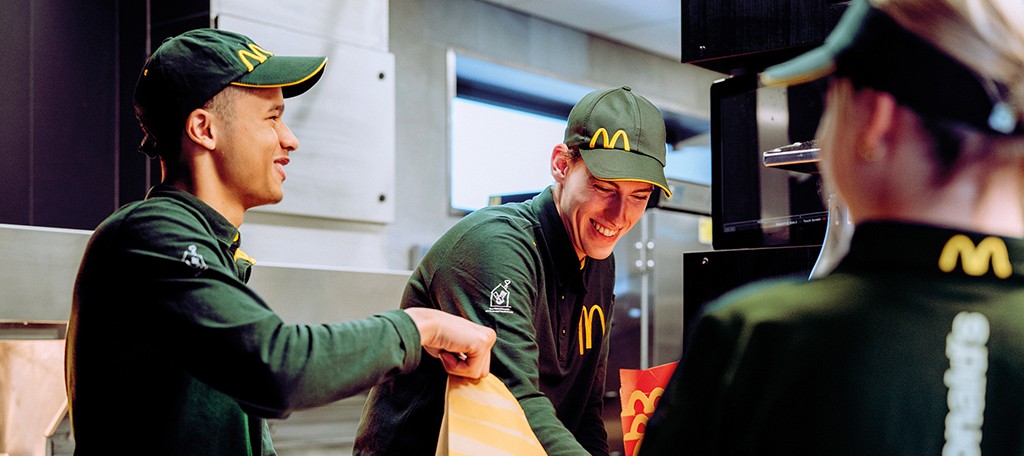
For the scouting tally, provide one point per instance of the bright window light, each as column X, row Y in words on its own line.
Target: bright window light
column 499, row 151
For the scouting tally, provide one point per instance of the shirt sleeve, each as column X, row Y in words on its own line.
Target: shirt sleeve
column 492, row 279
column 205, row 319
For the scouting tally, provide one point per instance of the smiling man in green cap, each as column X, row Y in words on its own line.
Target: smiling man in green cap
column 541, row 274
column 168, row 351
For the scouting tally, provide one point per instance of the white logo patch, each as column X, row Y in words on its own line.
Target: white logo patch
column 194, row 260
column 501, row 298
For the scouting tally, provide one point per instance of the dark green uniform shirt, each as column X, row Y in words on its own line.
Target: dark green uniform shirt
column 169, row 352
column 913, row 346
column 511, row 268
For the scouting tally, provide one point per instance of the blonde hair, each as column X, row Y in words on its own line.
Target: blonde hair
column 987, row 36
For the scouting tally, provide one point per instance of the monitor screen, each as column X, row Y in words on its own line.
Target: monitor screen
column 754, row 205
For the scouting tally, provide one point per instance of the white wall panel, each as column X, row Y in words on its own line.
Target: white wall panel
column 363, row 23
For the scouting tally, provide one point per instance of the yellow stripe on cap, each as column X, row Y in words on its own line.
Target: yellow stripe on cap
column 287, row 84
column 668, row 193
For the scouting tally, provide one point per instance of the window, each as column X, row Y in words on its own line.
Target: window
column 504, row 124
column 499, row 151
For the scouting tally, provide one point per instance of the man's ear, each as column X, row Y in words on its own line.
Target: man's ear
column 199, row 127
column 560, row 162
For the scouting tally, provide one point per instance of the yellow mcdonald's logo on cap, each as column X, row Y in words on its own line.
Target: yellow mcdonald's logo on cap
column 586, row 326
column 615, row 139
column 976, row 259
column 255, row 53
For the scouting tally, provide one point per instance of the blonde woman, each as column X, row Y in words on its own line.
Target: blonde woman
column 914, row 343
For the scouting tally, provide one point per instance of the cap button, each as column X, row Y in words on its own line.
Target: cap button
column 626, row 88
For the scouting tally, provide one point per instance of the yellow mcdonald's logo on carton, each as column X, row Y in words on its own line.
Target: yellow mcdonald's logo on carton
column 255, row 53
column 647, row 400
column 975, row 260
column 601, row 132
column 586, row 326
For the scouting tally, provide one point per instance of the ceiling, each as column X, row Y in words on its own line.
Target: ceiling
column 651, row 25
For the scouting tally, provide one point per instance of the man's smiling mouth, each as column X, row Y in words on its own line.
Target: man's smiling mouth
column 604, row 231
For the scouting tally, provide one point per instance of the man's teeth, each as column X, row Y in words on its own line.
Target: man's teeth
column 604, row 231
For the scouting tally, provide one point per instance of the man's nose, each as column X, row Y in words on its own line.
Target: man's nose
column 288, row 139
column 616, row 210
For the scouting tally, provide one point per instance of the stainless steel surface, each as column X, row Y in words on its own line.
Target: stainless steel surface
column 33, row 330
column 652, row 25
column 302, row 294
column 40, row 265
column 838, row 235
column 357, row 22
column 644, row 265
column 800, row 157
column 689, row 197
column 38, row 273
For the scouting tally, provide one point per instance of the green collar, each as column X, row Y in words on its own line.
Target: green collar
column 885, row 246
column 224, row 230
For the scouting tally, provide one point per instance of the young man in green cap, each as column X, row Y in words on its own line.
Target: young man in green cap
column 168, row 351
column 540, row 273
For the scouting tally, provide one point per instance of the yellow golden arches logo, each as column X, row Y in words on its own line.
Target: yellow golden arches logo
column 587, row 326
column 255, row 53
column 976, row 260
column 634, row 429
column 647, row 400
column 615, row 139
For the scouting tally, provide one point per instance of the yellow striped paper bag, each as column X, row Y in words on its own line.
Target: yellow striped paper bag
column 482, row 417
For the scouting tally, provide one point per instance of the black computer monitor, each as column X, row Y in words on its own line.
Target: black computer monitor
column 754, row 205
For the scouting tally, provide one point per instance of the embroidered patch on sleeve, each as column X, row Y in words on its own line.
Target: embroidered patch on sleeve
column 194, row 260
column 501, row 298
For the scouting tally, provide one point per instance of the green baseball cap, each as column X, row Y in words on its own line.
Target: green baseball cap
column 873, row 50
column 187, row 70
column 620, row 135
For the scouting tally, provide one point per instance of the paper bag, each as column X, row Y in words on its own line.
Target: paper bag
column 640, row 391
column 482, row 417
